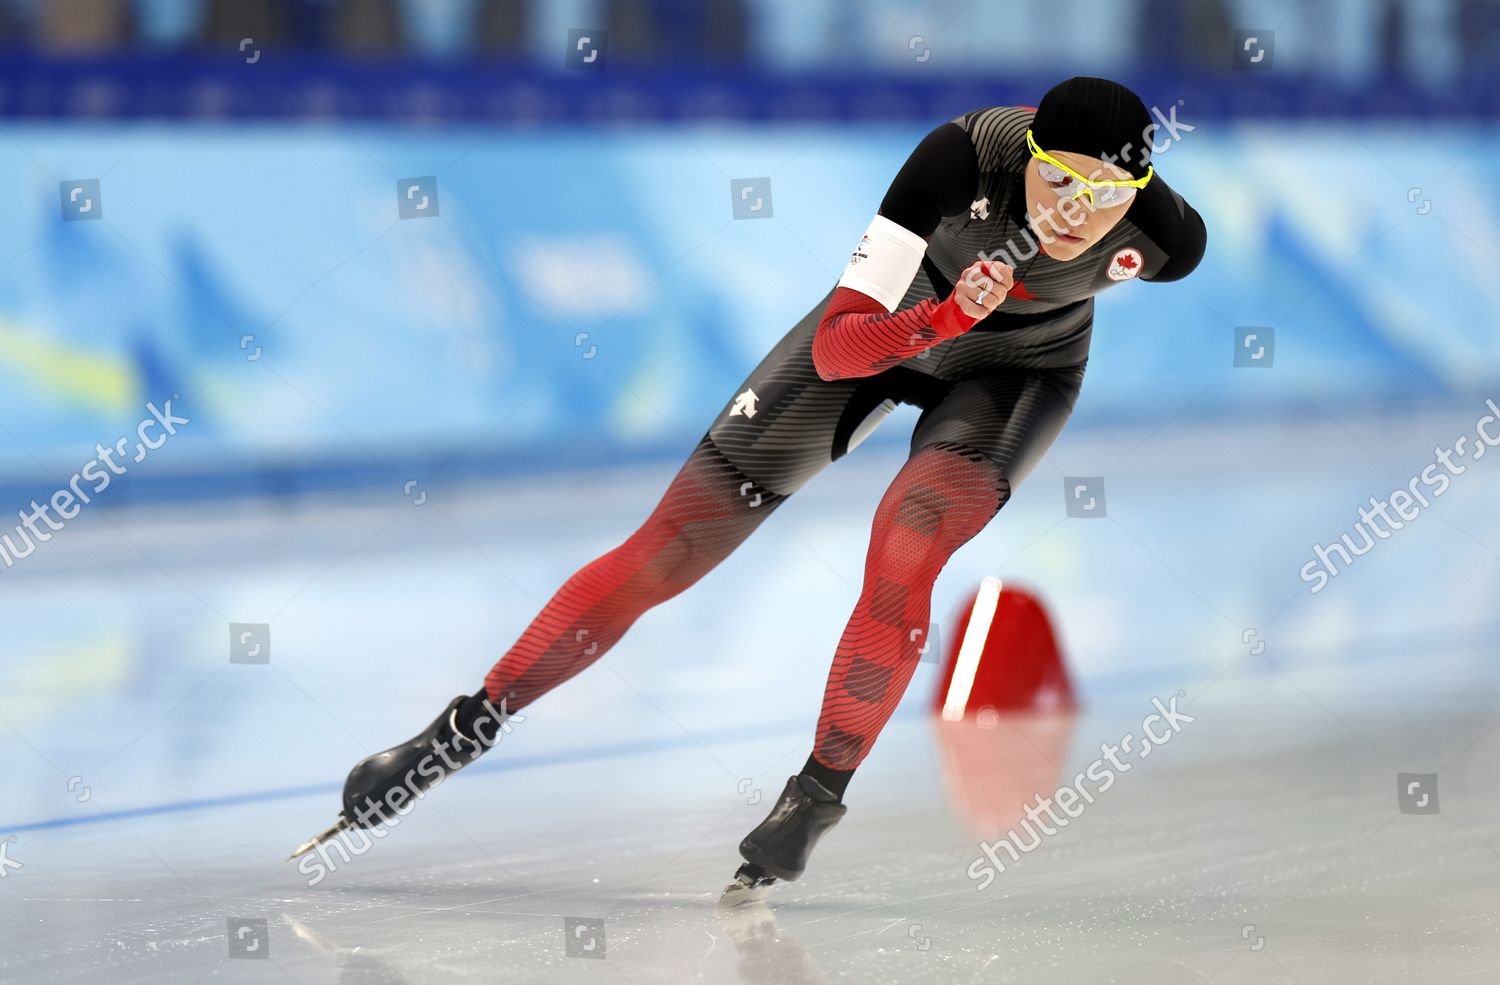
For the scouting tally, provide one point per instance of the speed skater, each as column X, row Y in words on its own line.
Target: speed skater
column 970, row 296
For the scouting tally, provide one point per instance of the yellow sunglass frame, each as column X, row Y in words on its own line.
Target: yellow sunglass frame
column 1086, row 185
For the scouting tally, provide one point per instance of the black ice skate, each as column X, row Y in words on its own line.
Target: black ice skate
column 374, row 792
column 780, row 846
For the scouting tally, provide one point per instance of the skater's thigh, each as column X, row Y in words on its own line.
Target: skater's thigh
column 1011, row 416
column 785, row 424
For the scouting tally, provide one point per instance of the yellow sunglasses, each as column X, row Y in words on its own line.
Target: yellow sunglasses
column 1070, row 184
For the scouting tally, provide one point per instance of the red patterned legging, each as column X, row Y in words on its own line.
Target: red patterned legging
column 943, row 496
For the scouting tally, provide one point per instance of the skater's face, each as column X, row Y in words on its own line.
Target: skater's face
column 1066, row 222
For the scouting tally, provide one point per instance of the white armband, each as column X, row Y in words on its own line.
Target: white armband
column 885, row 262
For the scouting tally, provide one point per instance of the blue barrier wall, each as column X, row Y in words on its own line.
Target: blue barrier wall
column 585, row 295
column 282, row 85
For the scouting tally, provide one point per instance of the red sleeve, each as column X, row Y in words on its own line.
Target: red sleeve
column 858, row 337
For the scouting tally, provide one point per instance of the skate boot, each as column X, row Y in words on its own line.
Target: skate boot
column 386, row 783
column 781, row 845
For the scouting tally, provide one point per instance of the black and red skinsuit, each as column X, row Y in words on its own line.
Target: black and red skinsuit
column 993, row 399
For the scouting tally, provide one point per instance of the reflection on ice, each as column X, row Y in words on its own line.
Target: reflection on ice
column 356, row 965
column 767, row 954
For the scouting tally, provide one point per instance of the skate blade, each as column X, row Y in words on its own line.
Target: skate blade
column 746, row 890
column 341, row 825
column 737, row 895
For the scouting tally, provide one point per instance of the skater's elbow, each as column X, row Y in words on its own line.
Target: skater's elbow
column 831, row 371
column 824, row 361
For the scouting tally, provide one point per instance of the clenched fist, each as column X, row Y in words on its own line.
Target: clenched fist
column 982, row 288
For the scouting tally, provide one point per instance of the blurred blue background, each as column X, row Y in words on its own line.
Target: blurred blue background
column 204, row 204
column 580, row 293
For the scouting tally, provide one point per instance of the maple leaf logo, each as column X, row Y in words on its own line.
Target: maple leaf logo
column 1125, row 265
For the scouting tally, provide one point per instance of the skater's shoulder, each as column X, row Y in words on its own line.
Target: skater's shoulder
column 1161, row 213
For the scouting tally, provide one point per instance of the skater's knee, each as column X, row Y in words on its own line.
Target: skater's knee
column 707, row 512
column 943, row 497
column 662, row 560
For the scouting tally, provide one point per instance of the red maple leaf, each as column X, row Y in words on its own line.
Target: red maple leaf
column 1127, row 260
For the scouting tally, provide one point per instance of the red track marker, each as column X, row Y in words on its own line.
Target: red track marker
column 1004, row 657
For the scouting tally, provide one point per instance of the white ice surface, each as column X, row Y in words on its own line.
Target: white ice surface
column 1272, row 817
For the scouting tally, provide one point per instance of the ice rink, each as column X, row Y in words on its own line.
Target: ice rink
column 153, row 789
